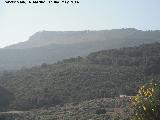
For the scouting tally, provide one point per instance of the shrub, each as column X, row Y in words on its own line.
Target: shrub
column 146, row 105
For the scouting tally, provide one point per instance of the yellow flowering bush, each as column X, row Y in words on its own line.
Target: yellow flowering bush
column 146, row 104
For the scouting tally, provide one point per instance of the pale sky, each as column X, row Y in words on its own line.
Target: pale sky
column 18, row 21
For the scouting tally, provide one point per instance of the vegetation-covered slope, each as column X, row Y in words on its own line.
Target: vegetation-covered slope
column 5, row 98
column 107, row 73
column 96, row 109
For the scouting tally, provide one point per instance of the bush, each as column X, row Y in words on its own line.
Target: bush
column 100, row 111
column 146, row 105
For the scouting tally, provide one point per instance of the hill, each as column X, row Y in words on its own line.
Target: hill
column 51, row 46
column 45, row 38
column 107, row 73
column 105, row 108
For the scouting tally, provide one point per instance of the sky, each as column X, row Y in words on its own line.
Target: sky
column 19, row 21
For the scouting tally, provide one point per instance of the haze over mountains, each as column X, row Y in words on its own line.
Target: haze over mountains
column 52, row 46
column 104, row 72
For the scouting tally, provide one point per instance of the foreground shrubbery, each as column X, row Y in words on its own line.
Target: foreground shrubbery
column 146, row 105
column 96, row 109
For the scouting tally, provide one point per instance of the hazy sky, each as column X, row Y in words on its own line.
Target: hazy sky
column 18, row 22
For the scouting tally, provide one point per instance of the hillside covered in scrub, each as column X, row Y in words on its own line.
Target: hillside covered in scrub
column 52, row 46
column 96, row 109
column 102, row 74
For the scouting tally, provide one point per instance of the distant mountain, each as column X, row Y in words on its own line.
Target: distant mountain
column 51, row 46
column 45, row 38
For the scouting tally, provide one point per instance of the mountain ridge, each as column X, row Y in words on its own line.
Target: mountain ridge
column 41, row 48
column 44, row 38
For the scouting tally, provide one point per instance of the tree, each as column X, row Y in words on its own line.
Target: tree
column 146, row 105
